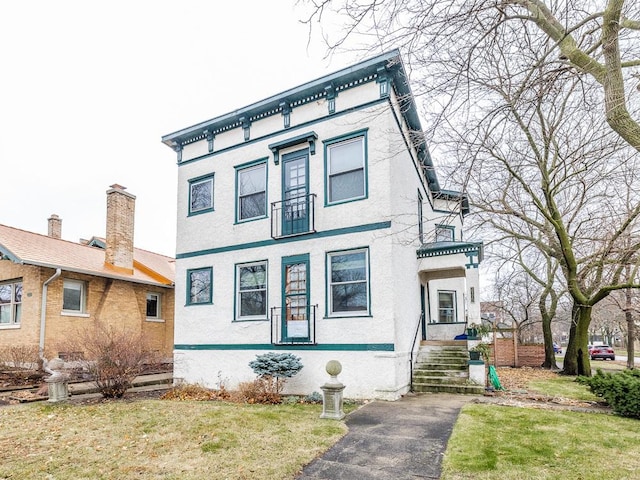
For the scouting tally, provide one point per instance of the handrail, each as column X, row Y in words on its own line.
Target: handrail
column 413, row 346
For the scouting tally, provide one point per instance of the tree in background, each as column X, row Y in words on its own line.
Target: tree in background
column 515, row 92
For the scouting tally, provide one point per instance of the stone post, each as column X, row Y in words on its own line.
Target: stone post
column 332, row 400
column 58, row 382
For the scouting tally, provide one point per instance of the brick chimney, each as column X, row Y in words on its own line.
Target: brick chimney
column 55, row 226
column 120, row 220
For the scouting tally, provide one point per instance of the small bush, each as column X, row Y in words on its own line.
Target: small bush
column 621, row 390
column 274, row 368
column 254, row 392
column 313, row 397
column 19, row 357
column 113, row 357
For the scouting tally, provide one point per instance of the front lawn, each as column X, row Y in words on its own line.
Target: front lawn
column 150, row 439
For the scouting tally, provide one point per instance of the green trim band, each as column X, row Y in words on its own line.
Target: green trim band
column 350, row 347
column 267, row 243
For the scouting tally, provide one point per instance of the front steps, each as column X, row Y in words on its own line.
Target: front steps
column 442, row 366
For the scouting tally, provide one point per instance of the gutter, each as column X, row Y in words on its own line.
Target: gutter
column 43, row 310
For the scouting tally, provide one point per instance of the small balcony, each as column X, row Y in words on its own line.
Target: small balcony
column 293, row 216
column 296, row 327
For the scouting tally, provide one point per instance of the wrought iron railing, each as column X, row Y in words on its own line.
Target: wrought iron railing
column 413, row 347
column 296, row 326
column 293, row 216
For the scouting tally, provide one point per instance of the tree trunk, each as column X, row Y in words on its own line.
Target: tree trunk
column 630, row 331
column 549, row 353
column 576, row 358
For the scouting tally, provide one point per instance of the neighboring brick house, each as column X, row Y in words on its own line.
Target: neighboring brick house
column 313, row 222
column 50, row 288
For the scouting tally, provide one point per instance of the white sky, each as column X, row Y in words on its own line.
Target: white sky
column 87, row 89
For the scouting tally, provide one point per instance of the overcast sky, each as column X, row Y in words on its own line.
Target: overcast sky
column 87, row 89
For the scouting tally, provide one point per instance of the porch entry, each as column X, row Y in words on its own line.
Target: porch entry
column 295, row 187
column 295, row 298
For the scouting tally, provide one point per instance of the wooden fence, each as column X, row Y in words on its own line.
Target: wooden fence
column 506, row 351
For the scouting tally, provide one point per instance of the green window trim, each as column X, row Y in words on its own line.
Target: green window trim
column 206, row 298
column 345, row 140
column 239, row 171
column 202, row 186
column 258, row 288
column 337, row 284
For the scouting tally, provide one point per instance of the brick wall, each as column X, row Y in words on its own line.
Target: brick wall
column 119, row 303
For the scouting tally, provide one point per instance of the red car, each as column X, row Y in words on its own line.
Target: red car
column 602, row 351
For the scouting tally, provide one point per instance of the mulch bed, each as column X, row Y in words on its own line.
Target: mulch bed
column 515, row 394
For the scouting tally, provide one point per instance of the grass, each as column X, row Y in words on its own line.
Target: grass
column 150, row 439
column 491, row 442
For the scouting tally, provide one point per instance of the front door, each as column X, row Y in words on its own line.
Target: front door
column 295, row 299
column 295, row 182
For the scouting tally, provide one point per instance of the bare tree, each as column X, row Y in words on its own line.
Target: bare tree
column 516, row 90
column 453, row 38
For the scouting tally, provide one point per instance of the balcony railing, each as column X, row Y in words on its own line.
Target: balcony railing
column 296, row 327
column 293, row 216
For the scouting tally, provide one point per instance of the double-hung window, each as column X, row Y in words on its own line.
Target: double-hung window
column 200, row 286
column 346, row 168
column 251, row 185
column 251, row 291
column 446, row 306
column 154, row 306
column 74, row 296
column 10, row 303
column 201, row 194
column 348, row 282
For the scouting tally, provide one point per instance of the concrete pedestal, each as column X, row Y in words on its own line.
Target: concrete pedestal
column 477, row 372
column 332, row 401
column 58, row 388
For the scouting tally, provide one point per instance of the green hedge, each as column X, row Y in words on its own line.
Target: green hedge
column 621, row 390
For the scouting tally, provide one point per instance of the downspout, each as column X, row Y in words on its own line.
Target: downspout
column 43, row 310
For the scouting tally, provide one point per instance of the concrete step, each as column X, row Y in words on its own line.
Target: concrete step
column 441, row 373
column 441, row 366
column 434, row 379
column 446, row 388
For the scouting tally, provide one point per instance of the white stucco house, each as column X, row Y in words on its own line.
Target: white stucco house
column 313, row 222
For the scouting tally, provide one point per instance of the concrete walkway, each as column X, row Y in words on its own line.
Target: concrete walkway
column 399, row 440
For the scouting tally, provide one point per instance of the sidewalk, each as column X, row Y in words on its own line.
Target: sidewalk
column 399, row 440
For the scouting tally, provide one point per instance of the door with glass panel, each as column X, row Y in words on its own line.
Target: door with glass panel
column 295, row 187
column 295, row 299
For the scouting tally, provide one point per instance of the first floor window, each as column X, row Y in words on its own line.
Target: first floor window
column 446, row 306
column 201, row 195
column 252, row 192
column 199, row 285
column 251, row 291
column 74, row 296
column 348, row 278
column 346, row 170
column 153, row 305
column 10, row 303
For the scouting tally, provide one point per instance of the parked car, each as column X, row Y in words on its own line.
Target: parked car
column 557, row 348
column 603, row 352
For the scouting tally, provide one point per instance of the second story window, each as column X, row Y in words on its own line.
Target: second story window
column 10, row 303
column 201, row 195
column 74, row 296
column 445, row 233
column 346, row 169
column 251, row 186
